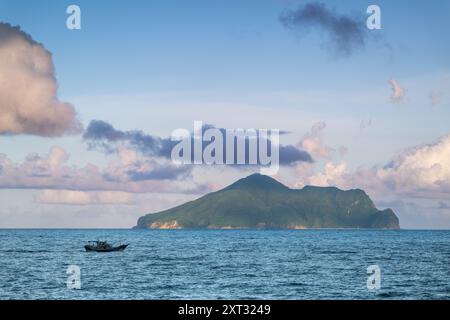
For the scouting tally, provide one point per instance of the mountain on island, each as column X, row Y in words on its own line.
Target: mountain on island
column 261, row 202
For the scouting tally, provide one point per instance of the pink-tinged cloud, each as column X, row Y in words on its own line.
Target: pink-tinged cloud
column 420, row 172
column 127, row 173
column 398, row 93
column 28, row 89
column 312, row 142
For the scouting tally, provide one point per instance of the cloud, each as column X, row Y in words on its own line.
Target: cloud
column 345, row 34
column 103, row 136
column 415, row 183
column 127, row 172
column 397, row 92
column 70, row 197
column 290, row 155
column 312, row 142
column 420, row 172
column 330, row 174
column 28, row 89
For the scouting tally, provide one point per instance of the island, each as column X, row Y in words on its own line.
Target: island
column 261, row 202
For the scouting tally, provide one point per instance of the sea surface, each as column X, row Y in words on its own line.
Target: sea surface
column 226, row 264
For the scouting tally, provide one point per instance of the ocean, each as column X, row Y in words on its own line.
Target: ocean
column 227, row 264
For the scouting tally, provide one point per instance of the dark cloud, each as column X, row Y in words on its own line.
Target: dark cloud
column 102, row 130
column 290, row 154
column 345, row 34
column 103, row 136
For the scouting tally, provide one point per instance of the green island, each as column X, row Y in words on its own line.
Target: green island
column 261, row 202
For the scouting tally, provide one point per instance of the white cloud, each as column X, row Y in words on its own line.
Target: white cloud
column 331, row 173
column 420, row 172
column 28, row 89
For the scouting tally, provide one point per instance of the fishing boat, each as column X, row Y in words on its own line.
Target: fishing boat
column 103, row 246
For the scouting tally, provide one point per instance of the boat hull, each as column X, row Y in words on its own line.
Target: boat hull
column 118, row 248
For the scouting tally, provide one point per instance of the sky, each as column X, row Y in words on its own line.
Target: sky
column 370, row 107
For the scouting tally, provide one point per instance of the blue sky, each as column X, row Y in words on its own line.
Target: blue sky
column 159, row 65
column 220, row 44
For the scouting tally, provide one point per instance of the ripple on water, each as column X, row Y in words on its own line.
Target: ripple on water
column 316, row 264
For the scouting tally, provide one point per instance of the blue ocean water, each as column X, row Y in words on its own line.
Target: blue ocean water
column 226, row 264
